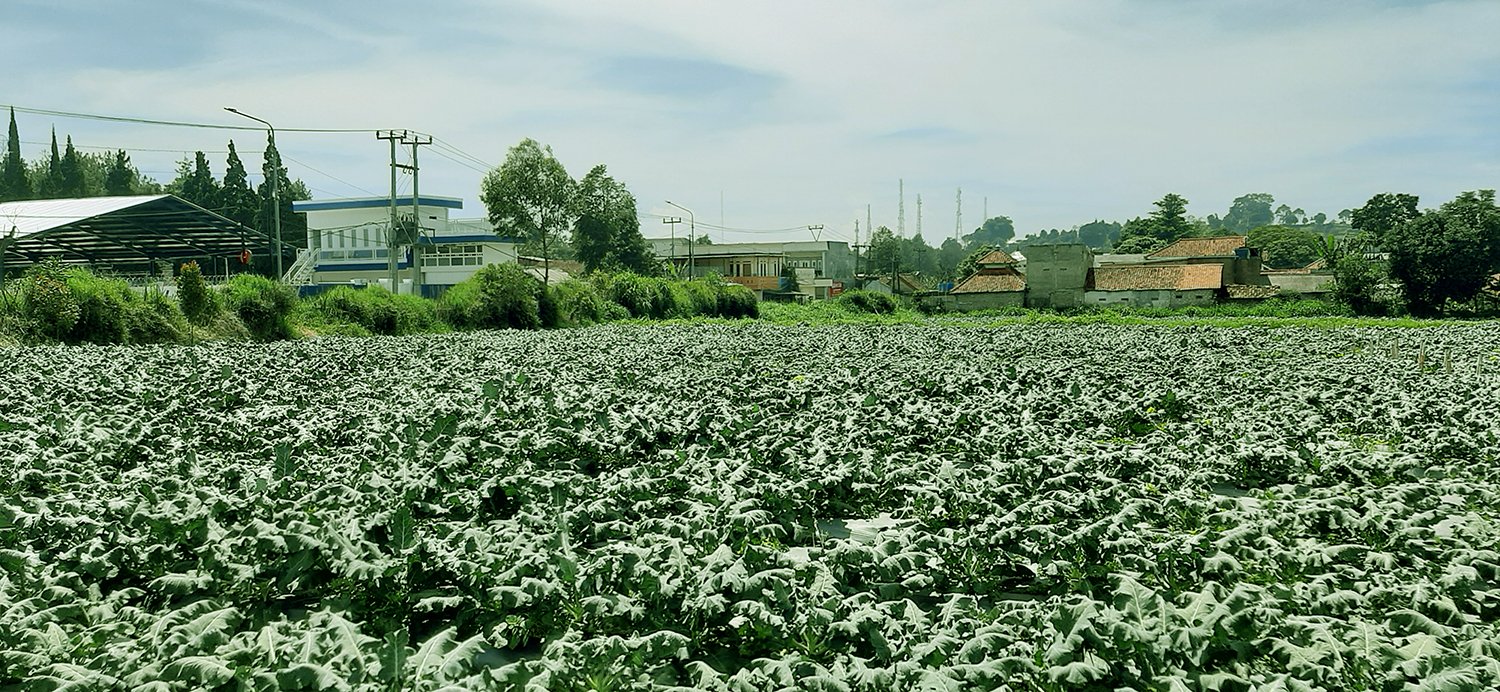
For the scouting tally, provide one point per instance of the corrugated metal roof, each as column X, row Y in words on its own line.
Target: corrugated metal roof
column 1158, row 277
column 121, row 229
column 37, row 215
column 1220, row 246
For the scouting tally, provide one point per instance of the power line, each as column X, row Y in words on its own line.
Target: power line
column 329, row 175
column 174, row 123
column 150, row 151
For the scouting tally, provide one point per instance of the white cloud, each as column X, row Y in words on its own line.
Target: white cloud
column 1058, row 112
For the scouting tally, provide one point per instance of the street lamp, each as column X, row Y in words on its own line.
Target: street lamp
column 692, row 231
column 275, row 194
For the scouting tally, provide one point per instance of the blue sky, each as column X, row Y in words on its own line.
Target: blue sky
column 1053, row 113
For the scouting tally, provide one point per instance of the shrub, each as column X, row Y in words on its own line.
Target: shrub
column 734, row 300
column 546, row 306
column 867, row 302
column 155, row 319
column 199, row 303
column 373, row 309
column 263, row 305
column 47, row 302
column 101, row 308
column 579, row 303
column 499, row 296
column 702, row 299
column 634, row 293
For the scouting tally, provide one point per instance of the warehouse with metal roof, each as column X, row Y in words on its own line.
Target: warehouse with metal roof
column 123, row 234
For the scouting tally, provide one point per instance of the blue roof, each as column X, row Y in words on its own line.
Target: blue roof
column 373, row 202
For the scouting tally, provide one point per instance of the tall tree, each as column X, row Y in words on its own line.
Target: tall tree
column 236, row 199
column 195, row 182
column 1285, row 247
column 1249, row 211
column 607, row 232
column 120, row 179
column 530, row 195
column 71, row 173
column 13, row 181
column 293, row 225
column 52, row 182
column 884, row 255
column 996, row 230
column 1099, row 234
column 1383, row 213
column 949, row 254
column 1447, row 254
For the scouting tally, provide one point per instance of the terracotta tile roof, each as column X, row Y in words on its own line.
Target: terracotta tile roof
column 1317, row 264
column 1157, row 277
column 1250, row 292
column 996, row 257
column 1221, row 246
column 992, row 282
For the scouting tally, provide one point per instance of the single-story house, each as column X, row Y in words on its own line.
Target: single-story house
column 1154, row 285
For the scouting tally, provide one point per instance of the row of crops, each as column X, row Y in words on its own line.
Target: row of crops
column 750, row 507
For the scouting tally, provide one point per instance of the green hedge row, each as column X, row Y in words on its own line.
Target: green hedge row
column 51, row 303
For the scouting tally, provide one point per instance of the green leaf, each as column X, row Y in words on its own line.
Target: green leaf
column 402, row 530
column 208, row 670
column 283, row 468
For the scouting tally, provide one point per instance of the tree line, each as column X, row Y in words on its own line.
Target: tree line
column 69, row 173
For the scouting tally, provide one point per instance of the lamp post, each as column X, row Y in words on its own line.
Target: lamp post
column 691, row 232
column 275, row 193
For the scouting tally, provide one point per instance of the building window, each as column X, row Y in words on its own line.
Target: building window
column 454, row 256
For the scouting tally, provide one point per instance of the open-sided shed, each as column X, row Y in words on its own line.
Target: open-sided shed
column 119, row 232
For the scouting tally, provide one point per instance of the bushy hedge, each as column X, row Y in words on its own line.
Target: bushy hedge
column 867, row 302
column 263, row 305
column 375, row 310
column 499, row 296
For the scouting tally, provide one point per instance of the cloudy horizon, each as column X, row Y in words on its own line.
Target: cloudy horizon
column 1053, row 114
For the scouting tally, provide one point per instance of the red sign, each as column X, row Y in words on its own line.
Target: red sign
column 836, row 289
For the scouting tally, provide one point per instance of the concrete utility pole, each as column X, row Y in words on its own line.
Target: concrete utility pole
column 416, row 140
column 391, row 239
column 692, row 230
column 275, row 193
column 815, row 229
column 674, row 220
column 919, row 214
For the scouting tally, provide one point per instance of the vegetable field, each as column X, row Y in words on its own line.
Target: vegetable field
column 749, row 507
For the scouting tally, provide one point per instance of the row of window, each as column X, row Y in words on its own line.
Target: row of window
column 452, row 261
column 380, row 253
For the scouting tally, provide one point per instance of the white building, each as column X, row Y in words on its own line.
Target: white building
column 348, row 242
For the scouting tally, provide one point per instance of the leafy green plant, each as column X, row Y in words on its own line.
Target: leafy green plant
column 199, row 302
column 263, row 305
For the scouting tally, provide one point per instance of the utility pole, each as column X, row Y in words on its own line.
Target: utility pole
column 856, row 250
column 416, row 140
column 674, row 220
column 869, row 227
column 692, row 230
column 391, row 239
column 815, row 229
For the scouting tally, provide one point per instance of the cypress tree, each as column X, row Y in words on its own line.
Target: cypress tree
column 120, row 180
column 293, row 226
column 13, row 181
column 237, row 200
column 70, row 173
column 200, row 187
column 52, row 182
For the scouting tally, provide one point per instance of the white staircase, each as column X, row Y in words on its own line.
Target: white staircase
column 301, row 271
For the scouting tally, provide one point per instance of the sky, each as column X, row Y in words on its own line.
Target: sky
column 767, row 117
